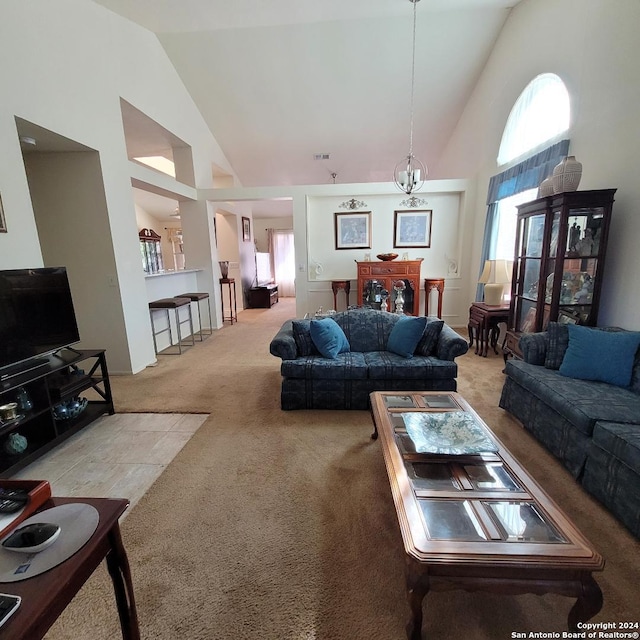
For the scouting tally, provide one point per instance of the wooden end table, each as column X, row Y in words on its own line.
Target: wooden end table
column 46, row 596
column 429, row 285
column 233, row 306
column 484, row 320
column 340, row 285
column 477, row 522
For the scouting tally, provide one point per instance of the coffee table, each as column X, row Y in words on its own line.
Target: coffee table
column 471, row 517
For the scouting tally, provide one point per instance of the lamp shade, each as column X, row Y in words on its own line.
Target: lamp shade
column 495, row 275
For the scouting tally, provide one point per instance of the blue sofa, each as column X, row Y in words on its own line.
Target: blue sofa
column 311, row 381
column 592, row 427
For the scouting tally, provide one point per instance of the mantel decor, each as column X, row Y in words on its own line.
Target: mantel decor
column 353, row 230
column 412, row 228
column 353, row 204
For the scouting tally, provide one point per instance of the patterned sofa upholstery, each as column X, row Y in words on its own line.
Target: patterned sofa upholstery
column 310, row 381
column 592, row 427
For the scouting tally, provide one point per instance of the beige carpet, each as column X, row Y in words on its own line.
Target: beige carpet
column 273, row 525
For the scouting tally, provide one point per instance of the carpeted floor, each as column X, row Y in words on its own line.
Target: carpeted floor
column 273, row 525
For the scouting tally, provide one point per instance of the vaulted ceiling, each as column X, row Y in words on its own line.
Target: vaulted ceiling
column 280, row 81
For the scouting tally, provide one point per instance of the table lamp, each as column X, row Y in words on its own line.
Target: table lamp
column 495, row 275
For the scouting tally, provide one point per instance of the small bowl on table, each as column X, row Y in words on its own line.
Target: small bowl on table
column 387, row 256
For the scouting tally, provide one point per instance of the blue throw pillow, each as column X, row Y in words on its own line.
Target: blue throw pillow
column 328, row 337
column 302, row 335
column 405, row 335
column 600, row 355
column 429, row 339
column 558, row 341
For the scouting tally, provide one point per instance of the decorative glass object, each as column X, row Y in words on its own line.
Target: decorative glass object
column 449, row 433
column 70, row 409
column 384, row 296
column 16, row 443
column 399, row 286
column 23, row 400
column 224, row 268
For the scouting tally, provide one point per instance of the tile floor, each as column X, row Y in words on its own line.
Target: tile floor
column 117, row 456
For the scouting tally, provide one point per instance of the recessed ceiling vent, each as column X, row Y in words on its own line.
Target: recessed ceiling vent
column 320, row 156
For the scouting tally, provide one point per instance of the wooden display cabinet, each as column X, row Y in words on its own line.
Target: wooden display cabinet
column 150, row 251
column 561, row 243
column 375, row 277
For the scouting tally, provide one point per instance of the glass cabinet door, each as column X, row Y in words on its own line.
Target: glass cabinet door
column 560, row 247
column 372, row 292
column 580, row 264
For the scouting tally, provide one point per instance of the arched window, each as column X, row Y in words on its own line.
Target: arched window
column 540, row 114
column 532, row 135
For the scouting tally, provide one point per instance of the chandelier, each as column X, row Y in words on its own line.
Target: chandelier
column 410, row 173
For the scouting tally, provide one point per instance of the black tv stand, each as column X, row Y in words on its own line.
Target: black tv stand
column 57, row 379
column 23, row 367
column 57, row 352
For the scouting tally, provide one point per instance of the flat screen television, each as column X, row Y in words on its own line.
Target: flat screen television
column 36, row 316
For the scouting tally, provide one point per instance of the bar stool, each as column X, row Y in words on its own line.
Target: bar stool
column 196, row 297
column 175, row 304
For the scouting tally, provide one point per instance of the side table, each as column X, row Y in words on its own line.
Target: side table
column 340, row 285
column 233, row 307
column 46, row 596
column 429, row 285
column 484, row 319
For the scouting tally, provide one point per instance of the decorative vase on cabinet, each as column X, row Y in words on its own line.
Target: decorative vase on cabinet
column 566, row 175
column 546, row 187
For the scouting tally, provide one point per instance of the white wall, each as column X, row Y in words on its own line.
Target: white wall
column 227, row 230
column 593, row 46
column 73, row 226
column 440, row 260
column 313, row 227
column 70, row 63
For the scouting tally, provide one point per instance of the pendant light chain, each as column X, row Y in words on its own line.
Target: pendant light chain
column 409, row 174
column 413, row 75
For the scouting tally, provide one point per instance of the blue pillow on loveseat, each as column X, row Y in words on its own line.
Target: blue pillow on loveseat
column 606, row 356
column 406, row 335
column 328, row 337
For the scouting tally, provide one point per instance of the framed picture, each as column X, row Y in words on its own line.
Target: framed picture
column 3, row 224
column 246, row 229
column 353, row 230
column 412, row 228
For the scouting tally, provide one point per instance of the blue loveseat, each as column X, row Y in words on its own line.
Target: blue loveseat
column 311, row 381
column 593, row 427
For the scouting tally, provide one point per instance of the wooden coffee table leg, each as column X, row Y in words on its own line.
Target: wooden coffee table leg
column 374, row 435
column 588, row 604
column 417, row 589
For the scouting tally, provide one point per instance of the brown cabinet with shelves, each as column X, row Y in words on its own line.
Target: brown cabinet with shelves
column 41, row 423
column 376, row 277
column 561, row 243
